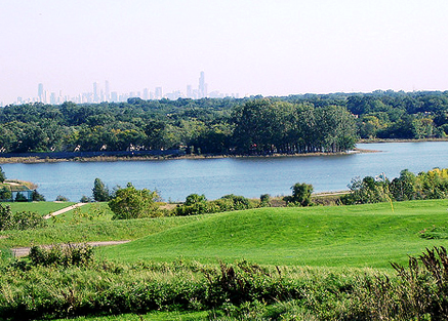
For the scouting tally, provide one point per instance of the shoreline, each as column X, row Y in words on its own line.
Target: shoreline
column 400, row 140
column 37, row 160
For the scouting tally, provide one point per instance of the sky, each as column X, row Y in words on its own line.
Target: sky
column 249, row 47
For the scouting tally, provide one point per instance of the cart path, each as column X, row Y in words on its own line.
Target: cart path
column 66, row 209
column 24, row 251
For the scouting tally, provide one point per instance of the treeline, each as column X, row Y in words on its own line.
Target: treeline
column 408, row 186
column 293, row 124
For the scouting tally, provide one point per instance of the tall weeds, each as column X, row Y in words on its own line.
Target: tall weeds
column 44, row 288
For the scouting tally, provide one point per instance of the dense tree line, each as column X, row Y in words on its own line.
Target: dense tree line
column 408, row 186
column 293, row 124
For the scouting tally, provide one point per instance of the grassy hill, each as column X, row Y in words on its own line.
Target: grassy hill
column 42, row 208
column 360, row 236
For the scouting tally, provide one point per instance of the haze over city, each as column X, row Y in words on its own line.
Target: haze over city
column 243, row 47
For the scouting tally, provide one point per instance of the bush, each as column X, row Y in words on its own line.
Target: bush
column 67, row 255
column 85, row 199
column 238, row 202
column 61, row 198
column 21, row 198
column 37, row 197
column 130, row 203
column 301, row 195
column 27, row 220
column 20, row 220
column 265, row 200
column 5, row 194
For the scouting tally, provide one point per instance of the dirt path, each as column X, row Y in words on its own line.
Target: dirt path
column 24, row 251
column 46, row 217
column 331, row 193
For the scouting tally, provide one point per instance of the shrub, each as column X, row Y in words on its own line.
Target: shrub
column 301, row 195
column 265, row 200
column 5, row 217
column 130, row 203
column 61, row 198
column 85, row 199
column 239, row 202
column 21, row 198
column 67, row 255
column 37, row 197
column 27, row 220
column 5, row 194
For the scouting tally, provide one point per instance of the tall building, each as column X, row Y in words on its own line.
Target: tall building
column 189, row 92
column 202, row 87
column 96, row 97
column 159, row 93
column 107, row 90
column 40, row 92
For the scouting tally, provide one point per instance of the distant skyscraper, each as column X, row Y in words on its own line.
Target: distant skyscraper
column 146, row 93
column 159, row 93
column 106, row 85
column 53, row 98
column 96, row 97
column 202, row 87
column 40, row 92
column 189, row 92
column 114, row 96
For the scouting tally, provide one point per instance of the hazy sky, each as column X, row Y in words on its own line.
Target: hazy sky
column 247, row 46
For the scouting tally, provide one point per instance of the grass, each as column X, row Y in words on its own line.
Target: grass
column 43, row 208
column 93, row 231
column 152, row 316
column 370, row 235
column 90, row 208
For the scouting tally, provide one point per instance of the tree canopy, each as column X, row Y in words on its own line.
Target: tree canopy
column 253, row 125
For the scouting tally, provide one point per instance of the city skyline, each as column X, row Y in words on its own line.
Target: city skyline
column 104, row 94
column 266, row 47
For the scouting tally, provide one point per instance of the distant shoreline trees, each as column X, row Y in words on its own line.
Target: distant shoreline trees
column 295, row 124
column 432, row 184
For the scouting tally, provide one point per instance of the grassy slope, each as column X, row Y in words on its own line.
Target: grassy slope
column 43, row 208
column 363, row 235
column 93, row 231
column 67, row 217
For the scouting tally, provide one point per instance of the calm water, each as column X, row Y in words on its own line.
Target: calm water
column 251, row 177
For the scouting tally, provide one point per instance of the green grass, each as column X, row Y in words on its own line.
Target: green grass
column 359, row 236
column 43, row 208
column 93, row 231
column 90, row 208
column 152, row 316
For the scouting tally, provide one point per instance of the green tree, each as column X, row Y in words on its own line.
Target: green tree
column 194, row 199
column 403, row 187
column 131, row 203
column 2, row 175
column 5, row 217
column 37, row 197
column 301, row 194
column 5, row 194
column 367, row 190
column 21, row 198
column 100, row 191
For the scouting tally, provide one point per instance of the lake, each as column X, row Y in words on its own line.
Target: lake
column 250, row 177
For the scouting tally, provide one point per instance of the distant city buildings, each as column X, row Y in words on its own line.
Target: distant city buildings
column 100, row 94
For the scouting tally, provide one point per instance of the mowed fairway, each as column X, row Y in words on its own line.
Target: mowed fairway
column 359, row 236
